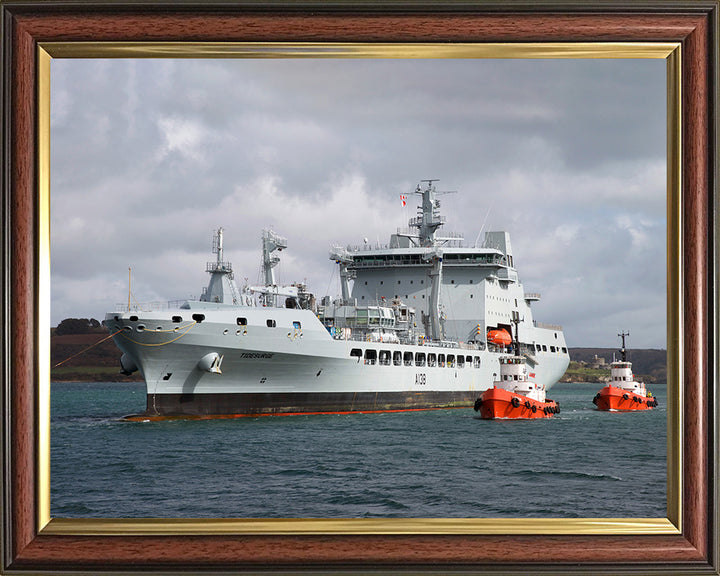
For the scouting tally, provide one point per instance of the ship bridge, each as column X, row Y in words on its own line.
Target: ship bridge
column 454, row 287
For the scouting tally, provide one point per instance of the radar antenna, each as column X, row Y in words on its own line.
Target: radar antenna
column 429, row 218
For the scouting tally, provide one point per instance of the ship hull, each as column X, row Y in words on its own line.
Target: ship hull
column 617, row 399
column 497, row 403
column 295, row 366
column 229, row 405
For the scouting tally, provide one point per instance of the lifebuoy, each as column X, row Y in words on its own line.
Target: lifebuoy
column 515, row 402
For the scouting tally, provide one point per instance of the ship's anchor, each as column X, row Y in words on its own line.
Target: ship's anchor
column 211, row 363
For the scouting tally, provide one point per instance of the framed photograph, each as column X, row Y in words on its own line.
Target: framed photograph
column 681, row 34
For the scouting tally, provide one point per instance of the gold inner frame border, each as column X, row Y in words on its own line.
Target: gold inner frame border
column 669, row 51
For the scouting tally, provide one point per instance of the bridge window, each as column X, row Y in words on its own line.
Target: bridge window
column 397, row 358
column 441, row 360
column 384, row 357
column 370, row 356
column 461, row 361
column 356, row 353
column 476, row 362
column 450, row 360
column 431, row 359
column 420, row 359
column 408, row 358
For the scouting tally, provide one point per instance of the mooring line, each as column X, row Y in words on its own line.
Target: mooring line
column 88, row 348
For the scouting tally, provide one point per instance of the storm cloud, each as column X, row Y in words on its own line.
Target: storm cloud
column 149, row 156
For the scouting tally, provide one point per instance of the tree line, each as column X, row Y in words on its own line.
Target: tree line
column 77, row 326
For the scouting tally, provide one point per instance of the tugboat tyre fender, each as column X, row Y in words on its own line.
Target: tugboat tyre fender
column 527, row 403
column 515, row 402
column 625, row 396
column 478, row 403
column 534, row 408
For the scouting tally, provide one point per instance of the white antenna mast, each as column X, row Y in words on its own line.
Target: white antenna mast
column 482, row 227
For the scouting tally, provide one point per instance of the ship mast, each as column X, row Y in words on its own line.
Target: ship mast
column 427, row 223
column 622, row 350
column 270, row 243
column 221, row 288
column 343, row 259
column 428, row 220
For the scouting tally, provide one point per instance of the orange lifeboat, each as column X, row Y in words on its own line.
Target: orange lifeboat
column 499, row 337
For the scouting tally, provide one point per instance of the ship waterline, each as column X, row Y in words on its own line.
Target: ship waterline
column 275, row 350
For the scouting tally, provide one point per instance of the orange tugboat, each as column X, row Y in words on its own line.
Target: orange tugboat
column 514, row 395
column 624, row 393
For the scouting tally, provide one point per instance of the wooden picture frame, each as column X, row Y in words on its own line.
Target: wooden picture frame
column 687, row 542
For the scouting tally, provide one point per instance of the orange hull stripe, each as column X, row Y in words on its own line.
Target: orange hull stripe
column 141, row 418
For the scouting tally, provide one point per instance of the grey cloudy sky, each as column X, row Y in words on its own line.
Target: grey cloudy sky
column 150, row 156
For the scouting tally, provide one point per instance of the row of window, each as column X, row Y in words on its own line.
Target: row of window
column 270, row 323
column 418, row 259
column 398, row 358
column 544, row 348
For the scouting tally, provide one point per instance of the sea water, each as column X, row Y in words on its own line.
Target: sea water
column 429, row 464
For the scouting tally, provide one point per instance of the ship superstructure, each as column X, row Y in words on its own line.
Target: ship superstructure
column 408, row 331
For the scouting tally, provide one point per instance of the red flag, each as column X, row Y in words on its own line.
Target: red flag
column 402, row 199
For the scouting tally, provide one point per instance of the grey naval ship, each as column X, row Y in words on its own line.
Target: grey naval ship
column 421, row 323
